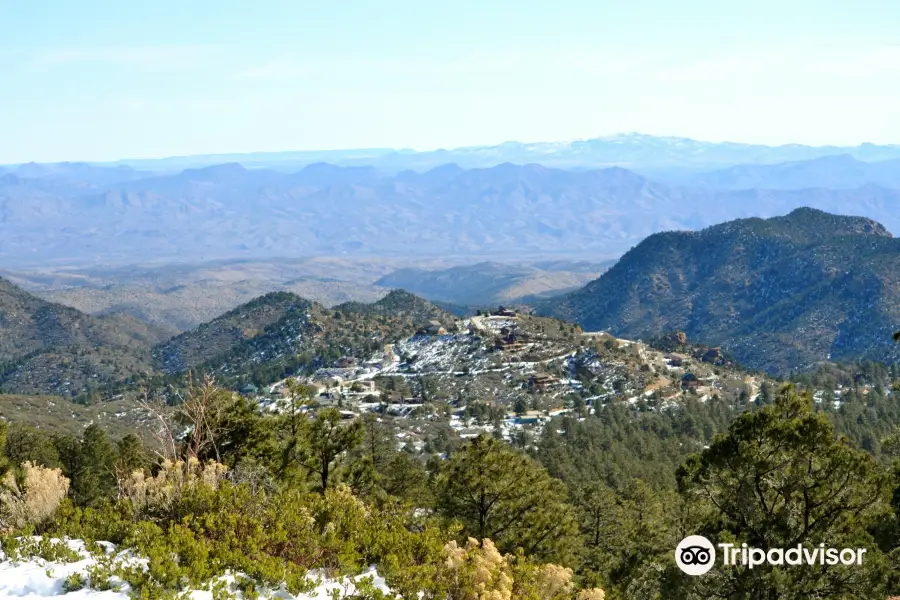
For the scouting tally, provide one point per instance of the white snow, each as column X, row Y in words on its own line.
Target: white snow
column 36, row 578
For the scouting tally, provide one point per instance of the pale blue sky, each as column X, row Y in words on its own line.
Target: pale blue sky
column 91, row 80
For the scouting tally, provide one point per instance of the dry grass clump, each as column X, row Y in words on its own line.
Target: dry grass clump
column 31, row 496
column 169, row 485
column 479, row 572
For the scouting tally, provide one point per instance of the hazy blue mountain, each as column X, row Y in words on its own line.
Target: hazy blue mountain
column 324, row 174
column 78, row 171
column 633, row 151
column 281, row 161
column 840, row 171
column 507, row 212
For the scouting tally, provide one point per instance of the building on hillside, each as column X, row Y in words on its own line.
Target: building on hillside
column 511, row 340
column 432, row 328
column 541, row 381
column 502, row 311
column 675, row 360
column 249, row 389
column 689, row 381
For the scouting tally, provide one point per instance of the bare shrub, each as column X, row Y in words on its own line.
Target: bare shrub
column 169, row 485
column 31, row 496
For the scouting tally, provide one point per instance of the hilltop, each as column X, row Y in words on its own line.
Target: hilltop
column 779, row 294
column 47, row 348
column 226, row 331
column 280, row 333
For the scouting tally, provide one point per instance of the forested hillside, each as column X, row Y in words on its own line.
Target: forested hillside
column 50, row 348
column 780, row 294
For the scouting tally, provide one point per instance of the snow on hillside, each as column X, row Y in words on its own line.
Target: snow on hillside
column 37, row 578
column 438, row 354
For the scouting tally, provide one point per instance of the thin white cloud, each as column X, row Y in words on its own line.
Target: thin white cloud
column 290, row 66
column 284, row 67
column 163, row 57
column 795, row 62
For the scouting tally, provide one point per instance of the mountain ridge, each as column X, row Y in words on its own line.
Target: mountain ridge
column 779, row 294
column 503, row 212
column 51, row 348
column 625, row 149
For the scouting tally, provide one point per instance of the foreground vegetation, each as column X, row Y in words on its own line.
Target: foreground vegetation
column 593, row 508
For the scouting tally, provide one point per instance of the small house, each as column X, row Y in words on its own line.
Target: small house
column 675, row 360
column 528, row 419
column 432, row 328
column 689, row 381
column 249, row 389
column 541, row 381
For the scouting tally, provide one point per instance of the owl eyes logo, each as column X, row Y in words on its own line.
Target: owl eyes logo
column 695, row 555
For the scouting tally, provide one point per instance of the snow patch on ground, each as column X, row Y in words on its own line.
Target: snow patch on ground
column 36, row 578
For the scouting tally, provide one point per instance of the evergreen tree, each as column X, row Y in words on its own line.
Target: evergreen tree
column 130, row 456
column 94, row 469
column 496, row 492
column 25, row 443
column 319, row 446
column 780, row 478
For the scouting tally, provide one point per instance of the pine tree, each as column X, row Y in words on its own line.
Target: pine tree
column 94, row 472
column 780, row 478
column 496, row 492
column 319, row 446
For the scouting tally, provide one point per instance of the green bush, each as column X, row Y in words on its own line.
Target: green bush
column 74, row 582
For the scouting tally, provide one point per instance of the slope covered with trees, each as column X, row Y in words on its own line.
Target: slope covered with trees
column 54, row 349
column 779, row 294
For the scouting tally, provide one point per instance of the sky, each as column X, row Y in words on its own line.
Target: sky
column 92, row 80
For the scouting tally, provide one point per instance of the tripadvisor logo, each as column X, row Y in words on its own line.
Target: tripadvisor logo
column 695, row 555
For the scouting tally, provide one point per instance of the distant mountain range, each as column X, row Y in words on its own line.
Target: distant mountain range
column 840, row 171
column 77, row 214
column 778, row 294
column 631, row 150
